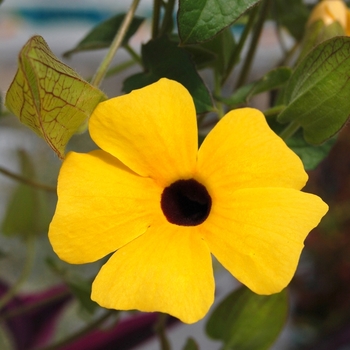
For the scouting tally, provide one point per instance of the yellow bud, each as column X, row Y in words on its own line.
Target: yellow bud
column 330, row 11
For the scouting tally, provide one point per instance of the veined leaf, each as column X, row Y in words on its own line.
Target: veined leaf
column 202, row 19
column 50, row 97
column 317, row 94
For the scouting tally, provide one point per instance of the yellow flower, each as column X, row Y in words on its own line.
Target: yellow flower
column 330, row 11
column 162, row 207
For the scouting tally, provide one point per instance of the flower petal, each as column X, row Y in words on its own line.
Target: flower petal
column 167, row 269
column 258, row 234
column 243, row 152
column 152, row 130
column 102, row 206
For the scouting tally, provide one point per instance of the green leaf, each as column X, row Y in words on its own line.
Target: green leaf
column 317, row 94
column 191, row 345
column 27, row 212
column 103, row 34
column 291, row 14
column 271, row 80
column 202, row 19
column 50, row 97
column 247, row 321
column 310, row 155
column 163, row 58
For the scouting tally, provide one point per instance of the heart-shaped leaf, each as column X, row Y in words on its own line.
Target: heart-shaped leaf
column 50, row 97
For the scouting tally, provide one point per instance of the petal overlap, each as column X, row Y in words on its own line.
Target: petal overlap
column 102, row 205
column 153, row 131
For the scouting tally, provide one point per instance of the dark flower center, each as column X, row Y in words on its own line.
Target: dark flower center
column 186, row 203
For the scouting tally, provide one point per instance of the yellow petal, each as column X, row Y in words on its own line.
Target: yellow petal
column 167, row 269
column 258, row 234
column 152, row 130
column 102, row 205
column 242, row 151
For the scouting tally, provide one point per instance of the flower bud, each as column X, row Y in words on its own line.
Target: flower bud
column 330, row 11
column 328, row 19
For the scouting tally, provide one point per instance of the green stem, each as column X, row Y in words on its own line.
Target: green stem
column 91, row 326
column 133, row 54
column 217, row 91
column 117, row 41
column 168, row 16
column 237, row 53
column 119, row 68
column 160, row 330
column 156, row 17
column 274, row 110
column 289, row 131
column 253, row 44
column 200, row 119
column 27, row 181
column 28, row 264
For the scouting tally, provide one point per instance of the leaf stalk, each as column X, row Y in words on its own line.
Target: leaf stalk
column 116, row 43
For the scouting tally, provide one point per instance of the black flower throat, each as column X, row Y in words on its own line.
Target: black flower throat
column 186, row 203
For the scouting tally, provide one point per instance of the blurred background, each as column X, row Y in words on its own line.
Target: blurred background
column 320, row 292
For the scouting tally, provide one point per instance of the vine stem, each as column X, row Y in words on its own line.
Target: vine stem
column 219, row 105
column 28, row 264
column 274, row 110
column 117, row 41
column 26, row 181
column 160, row 330
column 167, row 16
column 133, row 54
column 156, row 16
column 253, row 44
column 289, row 131
column 247, row 28
column 91, row 326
